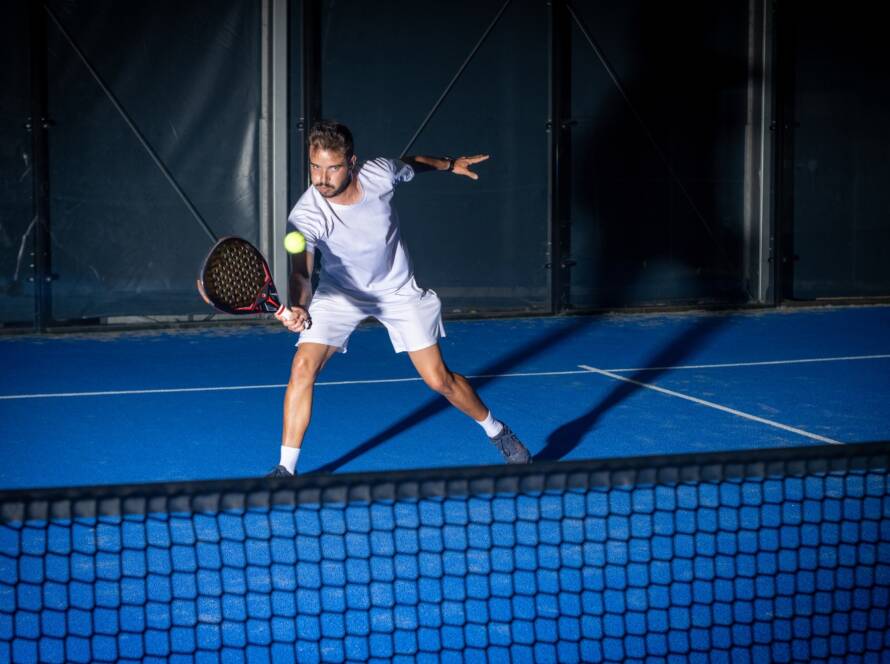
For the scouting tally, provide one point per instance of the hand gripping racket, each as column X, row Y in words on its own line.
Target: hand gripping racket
column 235, row 279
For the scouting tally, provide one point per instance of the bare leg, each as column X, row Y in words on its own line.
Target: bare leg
column 452, row 386
column 308, row 362
column 460, row 393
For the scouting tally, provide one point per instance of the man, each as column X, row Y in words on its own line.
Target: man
column 347, row 216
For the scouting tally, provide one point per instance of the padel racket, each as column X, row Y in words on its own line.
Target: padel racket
column 235, row 279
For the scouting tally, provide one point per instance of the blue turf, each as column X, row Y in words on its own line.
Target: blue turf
column 56, row 441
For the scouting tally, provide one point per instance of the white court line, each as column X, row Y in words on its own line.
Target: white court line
column 758, row 364
column 711, row 404
column 175, row 390
column 178, row 390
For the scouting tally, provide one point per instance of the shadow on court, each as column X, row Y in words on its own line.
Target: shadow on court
column 567, row 437
column 438, row 404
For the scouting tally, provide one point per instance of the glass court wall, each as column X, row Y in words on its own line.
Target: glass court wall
column 619, row 136
column 658, row 100
column 478, row 72
column 16, row 184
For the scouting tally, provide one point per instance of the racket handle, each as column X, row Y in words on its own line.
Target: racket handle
column 284, row 313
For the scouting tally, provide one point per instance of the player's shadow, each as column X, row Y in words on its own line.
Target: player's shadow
column 568, row 436
column 488, row 373
column 653, row 221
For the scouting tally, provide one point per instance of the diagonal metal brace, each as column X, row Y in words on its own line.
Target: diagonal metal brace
column 454, row 79
column 639, row 118
column 142, row 140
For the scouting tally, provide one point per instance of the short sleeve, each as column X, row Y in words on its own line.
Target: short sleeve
column 394, row 170
column 402, row 172
column 299, row 220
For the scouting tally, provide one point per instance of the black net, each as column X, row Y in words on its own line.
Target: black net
column 769, row 556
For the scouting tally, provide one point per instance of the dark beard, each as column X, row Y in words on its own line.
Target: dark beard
column 339, row 190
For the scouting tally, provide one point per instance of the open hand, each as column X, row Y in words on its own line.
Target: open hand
column 462, row 165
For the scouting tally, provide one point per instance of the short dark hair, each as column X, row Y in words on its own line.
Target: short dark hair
column 331, row 135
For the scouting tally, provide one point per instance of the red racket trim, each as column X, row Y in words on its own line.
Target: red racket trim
column 267, row 298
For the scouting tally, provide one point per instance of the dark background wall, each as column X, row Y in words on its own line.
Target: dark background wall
column 654, row 175
column 122, row 240
column 15, row 159
column 840, row 158
column 480, row 245
column 187, row 78
column 658, row 171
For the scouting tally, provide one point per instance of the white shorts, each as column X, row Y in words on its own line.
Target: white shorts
column 412, row 316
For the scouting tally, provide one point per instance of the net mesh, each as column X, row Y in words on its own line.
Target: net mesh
column 761, row 556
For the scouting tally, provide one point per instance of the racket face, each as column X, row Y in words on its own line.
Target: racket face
column 236, row 279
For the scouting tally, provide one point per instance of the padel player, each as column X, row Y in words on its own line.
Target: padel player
column 347, row 215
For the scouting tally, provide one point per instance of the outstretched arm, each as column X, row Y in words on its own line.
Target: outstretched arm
column 299, row 291
column 457, row 165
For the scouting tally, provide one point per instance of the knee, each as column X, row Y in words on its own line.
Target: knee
column 441, row 381
column 303, row 370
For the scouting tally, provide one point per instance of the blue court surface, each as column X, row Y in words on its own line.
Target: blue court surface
column 776, row 555
column 206, row 404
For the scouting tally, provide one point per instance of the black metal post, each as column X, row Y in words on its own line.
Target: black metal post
column 782, row 254
column 41, row 263
column 559, row 170
column 310, row 81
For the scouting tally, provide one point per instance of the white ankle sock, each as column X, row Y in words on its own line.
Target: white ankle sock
column 491, row 426
column 289, row 456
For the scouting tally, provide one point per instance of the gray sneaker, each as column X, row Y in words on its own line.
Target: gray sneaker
column 510, row 447
column 280, row 471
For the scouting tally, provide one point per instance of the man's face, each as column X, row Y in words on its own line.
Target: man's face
column 330, row 171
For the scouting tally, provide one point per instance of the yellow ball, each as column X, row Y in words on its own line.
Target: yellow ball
column 294, row 242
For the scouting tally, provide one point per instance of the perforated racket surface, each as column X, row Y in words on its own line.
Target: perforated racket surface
column 235, row 278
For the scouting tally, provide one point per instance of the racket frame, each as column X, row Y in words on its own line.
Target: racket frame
column 266, row 299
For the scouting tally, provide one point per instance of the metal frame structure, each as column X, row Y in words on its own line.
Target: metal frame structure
column 274, row 135
column 38, row 124
column 310, row 82
column 559, row 146
column 768, row 257
column 782, row 125
column 759, row 211
column 759, row 152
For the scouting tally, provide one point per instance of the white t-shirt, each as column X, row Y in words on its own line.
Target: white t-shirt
column 361, row 247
